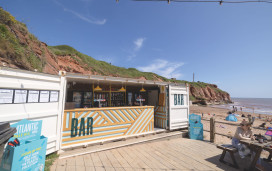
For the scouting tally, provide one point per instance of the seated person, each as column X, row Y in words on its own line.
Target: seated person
column 243, row 132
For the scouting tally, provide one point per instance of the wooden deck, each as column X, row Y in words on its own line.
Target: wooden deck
column 172, row 154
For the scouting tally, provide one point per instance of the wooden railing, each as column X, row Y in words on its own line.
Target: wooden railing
column 213, row 130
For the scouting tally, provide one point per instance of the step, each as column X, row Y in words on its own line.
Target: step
column 107, row 145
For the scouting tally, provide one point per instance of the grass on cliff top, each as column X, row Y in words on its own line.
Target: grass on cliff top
column 102, row 67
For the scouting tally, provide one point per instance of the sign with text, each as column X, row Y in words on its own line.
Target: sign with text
column 54, row 96
column 178, row 99
column 6, row 96
column 31, row 153
column 196, row 131
column 20, row 96
column 28, row 156
column 44, row 96
column 33, row 96
column 27, row 130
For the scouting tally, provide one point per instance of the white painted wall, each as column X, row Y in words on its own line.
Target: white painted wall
column 178, row 114
column 50, row 113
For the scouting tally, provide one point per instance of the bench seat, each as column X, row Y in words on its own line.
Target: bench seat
column 228, row 148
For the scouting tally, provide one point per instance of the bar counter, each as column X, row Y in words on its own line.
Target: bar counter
column 86, row 125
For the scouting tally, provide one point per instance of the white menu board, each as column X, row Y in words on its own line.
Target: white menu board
column 20, row 96
column 6, row 96
column 44, row 96
column 33, row 96
column 54, row 96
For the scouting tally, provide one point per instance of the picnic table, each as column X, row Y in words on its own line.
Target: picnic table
column 257, row 148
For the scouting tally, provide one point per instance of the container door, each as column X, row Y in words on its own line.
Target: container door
column 178, row 106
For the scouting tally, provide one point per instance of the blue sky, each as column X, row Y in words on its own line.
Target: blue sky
column 229, row 45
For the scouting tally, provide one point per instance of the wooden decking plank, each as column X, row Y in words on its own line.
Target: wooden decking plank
column 162, row 155
column 80, row 168
column 150, row 159
column 79, row 161
column 115, row 163
column 157, row 161
column 120, row 158
column 144, row 159
column 119, row 169
column 136, row 159
column 90, row 168
column 71, row 168
column 88, row 161
column 99, row 168
column 96, row 160
column 105, row 161
column 128, row 158
column 71, row 161
column 177, row 156
column 62, row 162
column 168, row 155
column 61, row 167
column 195, row 155
column 109, row 169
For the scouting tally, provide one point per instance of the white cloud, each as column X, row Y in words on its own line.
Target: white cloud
column 88, row 19
column 163, row 68
column 138, row 44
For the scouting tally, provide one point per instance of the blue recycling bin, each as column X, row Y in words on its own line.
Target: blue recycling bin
column 195, row 127
column 30, row 154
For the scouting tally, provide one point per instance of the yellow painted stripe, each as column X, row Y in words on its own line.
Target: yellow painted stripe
column 117, row 116
column 127, row 115
column 121, row 116
column 139, row 111
column 104, row 129
column 73, row 143
column 109, row 115
column 132, row 114
column 94, row 135
column 143, row 120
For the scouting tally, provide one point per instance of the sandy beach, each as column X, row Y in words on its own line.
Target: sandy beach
column 225, row 128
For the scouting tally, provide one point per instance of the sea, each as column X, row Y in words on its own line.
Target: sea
column 256, row 105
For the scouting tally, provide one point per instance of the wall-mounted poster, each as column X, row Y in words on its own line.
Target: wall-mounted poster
column 20, row 96
column 33, row 96
column 6, row 96
column 44, row 96
column 54, row 96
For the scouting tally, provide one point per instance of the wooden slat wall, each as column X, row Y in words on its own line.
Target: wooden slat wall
column 108, row 123
column 160, row 117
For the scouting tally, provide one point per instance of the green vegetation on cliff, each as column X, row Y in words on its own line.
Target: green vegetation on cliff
column 11, row 48
column 101, row 67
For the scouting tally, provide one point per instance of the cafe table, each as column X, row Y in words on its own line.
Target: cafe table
column 257, row 147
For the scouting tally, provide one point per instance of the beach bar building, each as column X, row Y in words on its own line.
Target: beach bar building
column 78, row 110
